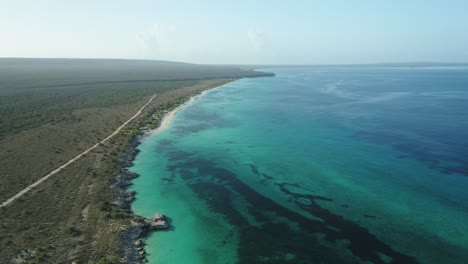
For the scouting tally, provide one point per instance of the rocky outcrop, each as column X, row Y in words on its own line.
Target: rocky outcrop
column 157, row 222
column 140, row 250
column 123, row 197
column 130, row 196
column 145, row 226
column 133, row 250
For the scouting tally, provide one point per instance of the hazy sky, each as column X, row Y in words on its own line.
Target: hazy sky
column 240, row 31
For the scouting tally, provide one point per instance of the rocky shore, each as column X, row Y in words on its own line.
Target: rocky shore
column 144, row 227
column 125, row 177
column 133, row 245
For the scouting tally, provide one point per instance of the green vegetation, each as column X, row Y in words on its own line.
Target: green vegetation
column 52, row 110
column 39, row 91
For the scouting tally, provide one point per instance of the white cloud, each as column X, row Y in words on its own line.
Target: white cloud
column 256, row 39
column 157, row 41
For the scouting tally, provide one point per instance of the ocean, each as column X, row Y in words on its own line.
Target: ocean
column 314, row 165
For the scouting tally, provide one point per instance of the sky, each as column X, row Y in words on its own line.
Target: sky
column 238, row 32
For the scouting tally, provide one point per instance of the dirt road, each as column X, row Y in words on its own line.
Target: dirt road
column 66, row 164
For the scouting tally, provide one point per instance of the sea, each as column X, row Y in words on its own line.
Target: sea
column 314, row 165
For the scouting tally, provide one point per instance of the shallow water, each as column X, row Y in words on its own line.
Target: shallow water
column 315, row 165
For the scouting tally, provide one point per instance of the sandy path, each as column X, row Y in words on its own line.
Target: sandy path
column 63, row 166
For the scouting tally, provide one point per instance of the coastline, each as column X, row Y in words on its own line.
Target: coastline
column 169, row 116
column 165, row 123
column 132, row 246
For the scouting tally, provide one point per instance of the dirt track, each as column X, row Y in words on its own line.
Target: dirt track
column 66, row 164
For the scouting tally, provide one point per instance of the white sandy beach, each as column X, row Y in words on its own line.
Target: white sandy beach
column 167, row 119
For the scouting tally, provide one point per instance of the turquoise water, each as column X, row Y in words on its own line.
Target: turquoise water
column 315, row 165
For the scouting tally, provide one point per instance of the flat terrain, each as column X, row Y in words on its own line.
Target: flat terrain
column 54, row 109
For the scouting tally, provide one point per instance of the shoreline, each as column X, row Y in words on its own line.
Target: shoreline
column 169, row 116
column 132, row 250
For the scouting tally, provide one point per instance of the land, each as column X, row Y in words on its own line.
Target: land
column 51, row 110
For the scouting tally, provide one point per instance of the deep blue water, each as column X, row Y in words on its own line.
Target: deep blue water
column 315, row 165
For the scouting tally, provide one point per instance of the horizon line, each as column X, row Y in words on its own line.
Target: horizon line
column 393, row 63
